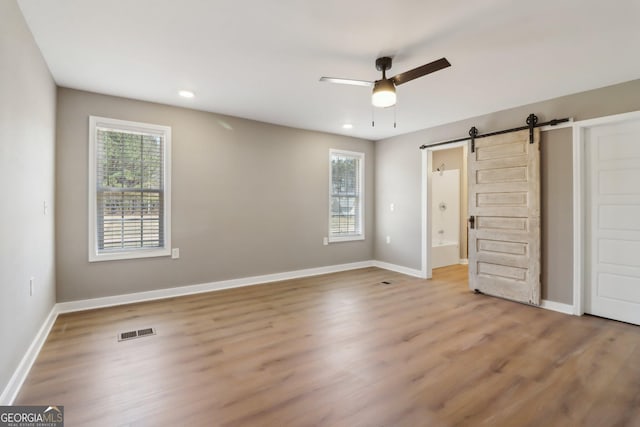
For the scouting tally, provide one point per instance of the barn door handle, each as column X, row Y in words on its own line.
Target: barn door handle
column 472, row 222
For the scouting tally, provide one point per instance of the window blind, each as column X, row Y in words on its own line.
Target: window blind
column 129, row 190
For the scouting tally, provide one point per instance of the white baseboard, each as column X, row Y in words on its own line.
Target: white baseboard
column 10, row 392
column 464, row 261
column 89, row 304
column 557, row 306
column 398, row 268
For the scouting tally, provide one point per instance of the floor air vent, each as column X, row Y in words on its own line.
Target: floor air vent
column 129, row 335
column 148, row 331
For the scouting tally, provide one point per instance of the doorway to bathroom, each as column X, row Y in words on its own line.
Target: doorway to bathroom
column 446, row 210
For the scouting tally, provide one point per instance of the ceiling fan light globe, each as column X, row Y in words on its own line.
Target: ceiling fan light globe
column 384, row 94
column 383, row 99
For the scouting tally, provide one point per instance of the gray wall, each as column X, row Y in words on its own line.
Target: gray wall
column 398, row 174
column 27, row 122
column 248, row 198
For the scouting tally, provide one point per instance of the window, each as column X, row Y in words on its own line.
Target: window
column 129, row 190
column 346, row 196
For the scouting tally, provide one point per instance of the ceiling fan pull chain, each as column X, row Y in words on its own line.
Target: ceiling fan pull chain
column 373, row 117
column 395, row 115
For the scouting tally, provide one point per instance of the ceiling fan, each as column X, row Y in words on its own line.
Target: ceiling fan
column 384, row 90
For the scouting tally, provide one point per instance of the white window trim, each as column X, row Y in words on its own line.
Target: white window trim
column 351, row 237
column 94, row 256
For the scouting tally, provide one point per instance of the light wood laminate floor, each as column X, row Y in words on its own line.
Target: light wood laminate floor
column 340, row 350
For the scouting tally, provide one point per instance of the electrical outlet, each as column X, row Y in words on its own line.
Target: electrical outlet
column 45, row 207
column 325, row 241
column 31, row 282
column 388, row 240
column 175, row 253
column 392, row 207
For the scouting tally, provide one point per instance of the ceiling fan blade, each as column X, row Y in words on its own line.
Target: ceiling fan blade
column 346, row 81
column 420, row 71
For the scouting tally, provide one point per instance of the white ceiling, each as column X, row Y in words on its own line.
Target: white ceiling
column 262, row 59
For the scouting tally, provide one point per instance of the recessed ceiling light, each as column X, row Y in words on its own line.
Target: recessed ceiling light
column 186, row 94
column 347, row 126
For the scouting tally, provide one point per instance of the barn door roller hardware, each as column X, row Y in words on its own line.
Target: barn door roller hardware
column 532, row 122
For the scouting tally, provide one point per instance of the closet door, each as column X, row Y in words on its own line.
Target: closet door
column 613, row 227
column 504, row 222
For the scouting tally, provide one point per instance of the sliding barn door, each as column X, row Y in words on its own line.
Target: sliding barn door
column 504, row 222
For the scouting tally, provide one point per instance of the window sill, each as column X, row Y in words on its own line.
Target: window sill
column 338, row 239
column 134, row 254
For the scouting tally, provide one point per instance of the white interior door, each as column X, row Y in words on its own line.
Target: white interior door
column 504, row 203
column 613, row 221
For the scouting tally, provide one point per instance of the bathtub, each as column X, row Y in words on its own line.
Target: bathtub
column 444, row 253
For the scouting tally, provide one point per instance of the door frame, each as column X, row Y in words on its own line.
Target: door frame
column 425, row 200
column 579, row 201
